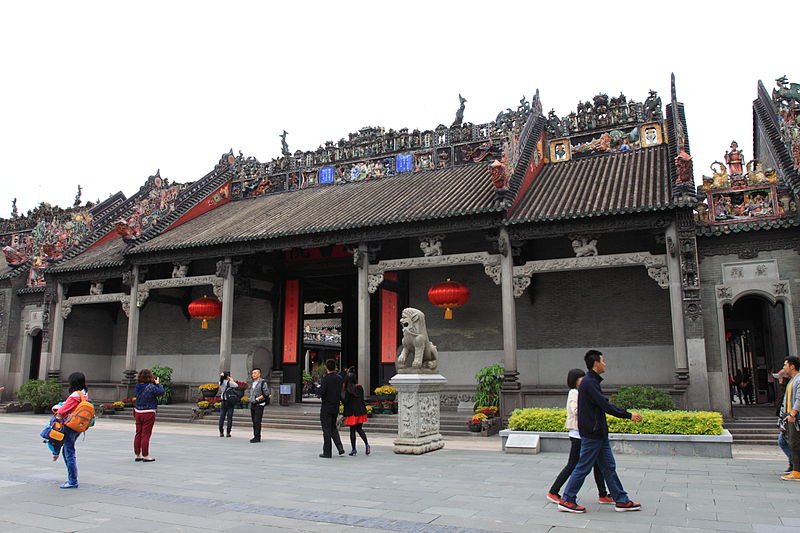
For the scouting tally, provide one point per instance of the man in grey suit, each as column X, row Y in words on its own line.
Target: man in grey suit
column 259, row 394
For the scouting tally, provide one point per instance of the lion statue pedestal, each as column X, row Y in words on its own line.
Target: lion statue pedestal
column 418, row 388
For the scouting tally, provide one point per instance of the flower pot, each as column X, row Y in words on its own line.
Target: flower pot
column 387, row 397
column 475, row 428
column 209, row 393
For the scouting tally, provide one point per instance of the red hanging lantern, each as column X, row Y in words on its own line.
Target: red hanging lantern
column 448, row 295
column 205, row 309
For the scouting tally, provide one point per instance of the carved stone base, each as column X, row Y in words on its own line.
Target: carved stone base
column 54, row 375
column 418, row 413
column 129, row 377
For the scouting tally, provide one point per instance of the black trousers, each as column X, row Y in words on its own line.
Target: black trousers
column 563, row 476
column 225, row 411
column 256, row 414
column 357, row 428
column 329, row 432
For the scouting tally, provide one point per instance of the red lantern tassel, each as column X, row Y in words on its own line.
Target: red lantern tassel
column 448, row 314
column 204, row 324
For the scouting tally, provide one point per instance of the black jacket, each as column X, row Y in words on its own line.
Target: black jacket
column 593, row 406
column 330, row 391
column 354, row 403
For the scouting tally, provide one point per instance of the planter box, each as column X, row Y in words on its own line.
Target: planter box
column 633, row 444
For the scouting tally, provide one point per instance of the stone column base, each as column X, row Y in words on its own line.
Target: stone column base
column 54, row 374
column 129, row 377
column 418, row 398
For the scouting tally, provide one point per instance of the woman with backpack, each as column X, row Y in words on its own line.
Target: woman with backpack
column 229, row 395
column 355, row 411
column 147, row 391
column 77, row 394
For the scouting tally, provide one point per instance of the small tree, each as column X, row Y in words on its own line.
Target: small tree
column 41, row 394
column 164, row 375
column 489, row 380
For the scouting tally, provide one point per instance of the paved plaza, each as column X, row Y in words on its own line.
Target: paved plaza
column 200, row 482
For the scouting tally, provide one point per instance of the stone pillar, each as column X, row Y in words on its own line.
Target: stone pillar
column 510, row 398
column 676, row 305
column 57, row 339
column 698, row 393
column 226, row 321
column 132, row 344
column 419, row 407
column 363, row 318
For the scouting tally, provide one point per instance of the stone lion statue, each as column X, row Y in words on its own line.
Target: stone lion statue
column 418, row 354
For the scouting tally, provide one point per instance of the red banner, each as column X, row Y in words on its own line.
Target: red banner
column 291, row 315
column 389, row 318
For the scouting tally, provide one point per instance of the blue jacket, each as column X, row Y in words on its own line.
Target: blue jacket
column 146, row 396
column 593, row 406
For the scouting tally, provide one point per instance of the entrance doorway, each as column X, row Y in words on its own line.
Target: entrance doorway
column 756, row 345
column 36, row 355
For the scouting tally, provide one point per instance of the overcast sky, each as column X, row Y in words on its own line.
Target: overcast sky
column 102, row 94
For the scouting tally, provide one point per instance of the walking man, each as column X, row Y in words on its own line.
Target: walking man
column 789, row 412
column 595, row 446
column 330, row 391
column 259, row 393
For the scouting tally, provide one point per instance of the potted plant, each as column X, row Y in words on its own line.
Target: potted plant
column 164, row 374
column 369, row 411
column 474, row 424
column 129, row 402
column 41, row 394
column 217, row 405
column 107, row 409
column 489, row 380
column 202, row 404
column 119, row 406
column 208, row 390
column 386, row 392
column 388, row 407
column 244, row 402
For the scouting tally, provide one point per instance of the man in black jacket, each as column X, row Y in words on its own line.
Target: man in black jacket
column 330, row 391
column 595, row 446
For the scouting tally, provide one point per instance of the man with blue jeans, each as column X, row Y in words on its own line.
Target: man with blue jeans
column 595, row 446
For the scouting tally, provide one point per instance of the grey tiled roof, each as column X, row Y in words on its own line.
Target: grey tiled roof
column 627, row 182
column 108, row 254
column 413, row 197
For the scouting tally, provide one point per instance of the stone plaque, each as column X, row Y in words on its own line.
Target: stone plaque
column 522, row 444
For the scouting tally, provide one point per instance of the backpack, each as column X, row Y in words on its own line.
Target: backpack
column 232, row 395
column 82, row 417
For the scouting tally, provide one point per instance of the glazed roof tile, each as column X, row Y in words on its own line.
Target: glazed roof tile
column 626, row 182
column 412, row 197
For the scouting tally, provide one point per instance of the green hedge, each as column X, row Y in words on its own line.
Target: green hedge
column 654, row 422
column 643, row 397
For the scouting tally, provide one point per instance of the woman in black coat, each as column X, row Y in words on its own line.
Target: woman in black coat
column 355, row 411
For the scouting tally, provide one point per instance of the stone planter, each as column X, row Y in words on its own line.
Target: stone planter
column 633, row 444
column 474, row 428
column 209, row 393
column 491, row 426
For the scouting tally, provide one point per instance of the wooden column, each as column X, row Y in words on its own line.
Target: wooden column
column 363, row 318
column 132, row 345
column 676, row 304
column 57, row 336
column 226, row 322
column 509, row 313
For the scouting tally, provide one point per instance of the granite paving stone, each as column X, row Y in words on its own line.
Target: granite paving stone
column 200, row 482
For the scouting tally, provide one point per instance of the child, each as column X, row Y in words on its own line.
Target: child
column 53, row 436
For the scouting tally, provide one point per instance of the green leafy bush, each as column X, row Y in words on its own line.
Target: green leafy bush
column 164, row 375
column 41, row 394
column 653, row 423
column 639, row 397
column 489, row 380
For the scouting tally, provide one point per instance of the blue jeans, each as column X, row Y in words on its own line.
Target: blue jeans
column 784, row 445
column 69, row 455
column 595, row 451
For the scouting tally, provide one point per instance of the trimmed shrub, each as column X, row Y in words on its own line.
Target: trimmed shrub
column 640, row 397
column 653, row 423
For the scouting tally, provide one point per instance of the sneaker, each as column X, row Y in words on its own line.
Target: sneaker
column 553, row 497
column 68, row 485
column 570, row 507
column 794, row 475
column 608, row 500
column 630, row 505
column 254, row 440
column 785, row 472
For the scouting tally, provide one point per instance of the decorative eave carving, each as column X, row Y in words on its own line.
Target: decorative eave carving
column 171, row 283
column 490, row 262
column 68, row 303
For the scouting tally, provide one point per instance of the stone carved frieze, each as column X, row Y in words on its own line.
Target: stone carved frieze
column 428, row 414
column 67, row 304
column 408, row 421
column 656, row 265
column 495, row 272
column 411, row 263
column 583, row 245
column 431, row 245
column 180, row 269
column 96, row 288
column 170, row 283
column 373, row 281
column 520, row 284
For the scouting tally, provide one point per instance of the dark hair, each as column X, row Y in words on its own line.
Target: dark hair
column 145, row 376
column 794, row 361
column 591, row 357
column 350, row 383
column 573, row 376
column 225, row 375
column 77, row 381
column 255, row 368
column 330, row 364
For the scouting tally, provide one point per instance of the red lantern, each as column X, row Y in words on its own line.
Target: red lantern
column 205, row 309
column 449, row 294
